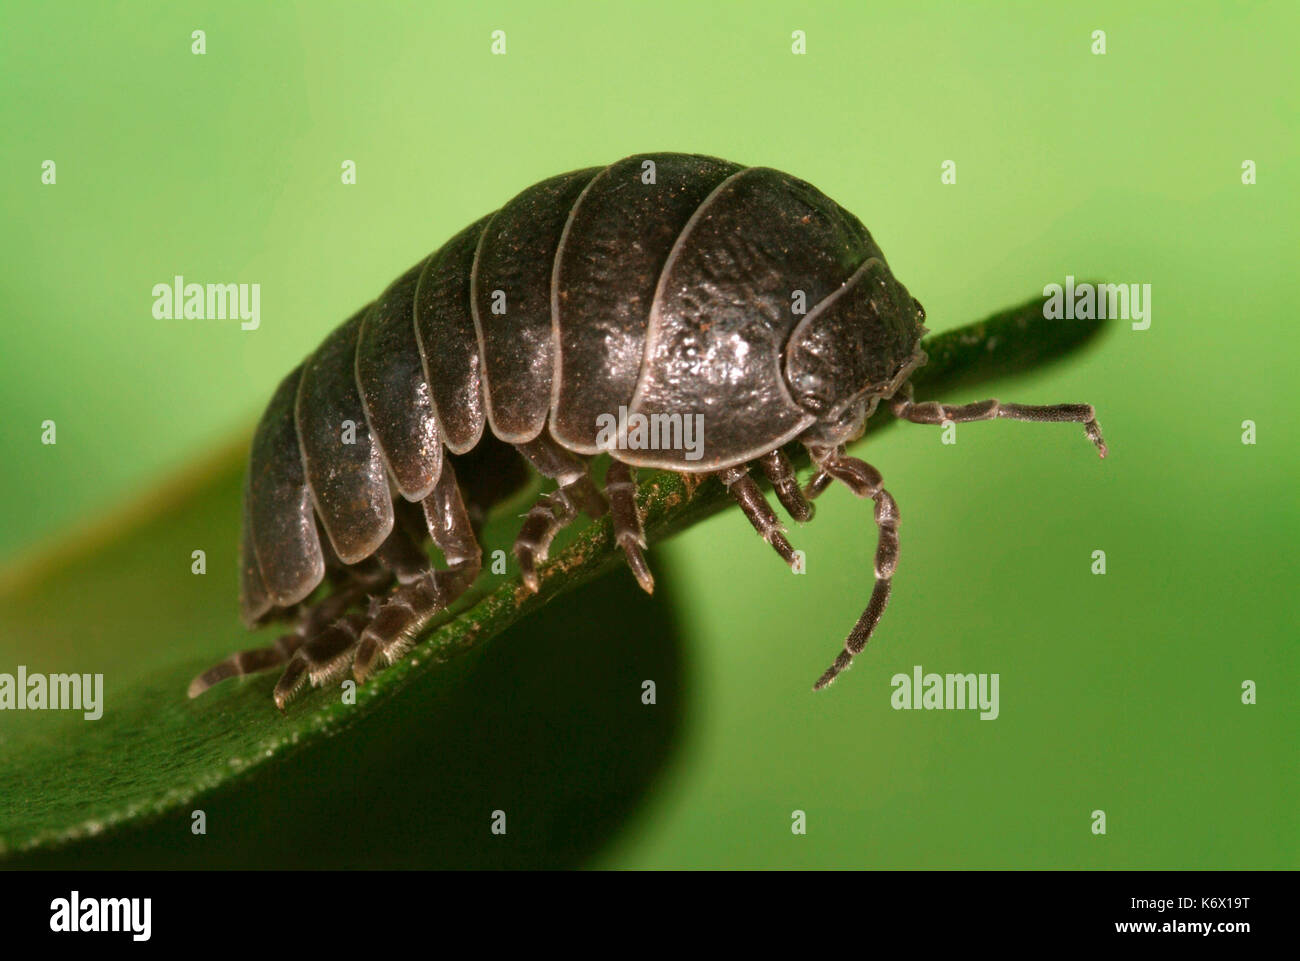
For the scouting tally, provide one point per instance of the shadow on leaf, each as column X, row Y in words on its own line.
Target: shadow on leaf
column 545, row 723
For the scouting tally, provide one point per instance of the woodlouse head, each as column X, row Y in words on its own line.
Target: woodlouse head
column 857, row 346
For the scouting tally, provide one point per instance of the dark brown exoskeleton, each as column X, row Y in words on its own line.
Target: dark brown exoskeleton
column 669, row 286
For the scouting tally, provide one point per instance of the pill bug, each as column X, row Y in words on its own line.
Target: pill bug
column 664, row 286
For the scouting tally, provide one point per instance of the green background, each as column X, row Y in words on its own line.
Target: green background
column 1118, row 692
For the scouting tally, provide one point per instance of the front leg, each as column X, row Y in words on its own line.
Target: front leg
column 756, row 508
column 864, row 481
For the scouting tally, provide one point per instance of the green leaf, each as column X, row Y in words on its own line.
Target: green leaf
column 547, row 722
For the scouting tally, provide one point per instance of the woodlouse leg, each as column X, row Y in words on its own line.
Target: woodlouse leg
column 932, row 412
column 780, row 473
column 322, row 659
column 557, row 509
column 252, row 661
column 620, row 486
column 544, row 520
column 865, row 481
column 757, row 509
column 572, row 474
column 399, row 619
column 817, row 484
column 358, row 583
column 401, row 554
column 692, row 482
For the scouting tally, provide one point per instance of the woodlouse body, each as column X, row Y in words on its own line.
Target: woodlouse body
column 664, row 287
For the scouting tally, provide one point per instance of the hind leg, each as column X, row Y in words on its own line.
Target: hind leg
column 322, row 659
column 353, row 585
column 390, row 626
column 425, row 591
column 326, row 654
